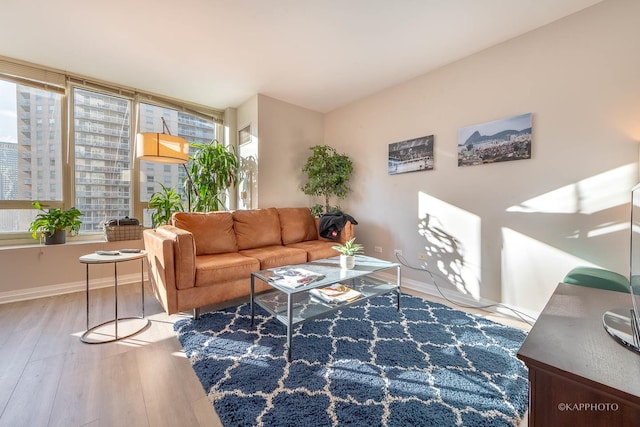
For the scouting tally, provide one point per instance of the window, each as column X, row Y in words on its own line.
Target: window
column 248, row 177
column 100, row 175
column 188, row 126
column 102, row 149
column 22, row 174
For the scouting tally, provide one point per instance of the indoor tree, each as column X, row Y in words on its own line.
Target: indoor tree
column 213, row 168
column 328, row 173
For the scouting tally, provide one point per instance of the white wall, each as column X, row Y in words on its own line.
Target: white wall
column 285, row 133
column 508, row 231
column 34, row 271
column 247, row 115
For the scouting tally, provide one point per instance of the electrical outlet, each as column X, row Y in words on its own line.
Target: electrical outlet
column 377, row 249
column 423, row 256
column 397, row 252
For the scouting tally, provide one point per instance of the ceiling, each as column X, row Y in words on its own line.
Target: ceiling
column 318, row 54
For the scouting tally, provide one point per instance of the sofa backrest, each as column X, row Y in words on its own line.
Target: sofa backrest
column 212, row 231
column 257, row 228
column 296, row 225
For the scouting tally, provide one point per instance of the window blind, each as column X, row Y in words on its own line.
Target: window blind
column 32, row 76
column 49, row 79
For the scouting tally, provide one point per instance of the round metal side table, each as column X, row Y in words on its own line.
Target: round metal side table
column 115, row 259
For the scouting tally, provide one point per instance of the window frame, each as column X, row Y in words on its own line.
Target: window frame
column 23, row 204
column 71, row 87
column 139, row 206
column 63, row 83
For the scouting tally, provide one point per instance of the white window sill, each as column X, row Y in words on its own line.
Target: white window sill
column 82, row 239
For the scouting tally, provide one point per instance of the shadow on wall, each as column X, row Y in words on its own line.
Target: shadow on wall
column 452, row 244
column 444, row 253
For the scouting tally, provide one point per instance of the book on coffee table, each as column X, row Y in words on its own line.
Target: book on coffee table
column 335, row 294
column 294, row 277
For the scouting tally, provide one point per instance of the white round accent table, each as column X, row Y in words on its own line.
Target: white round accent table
column 114, row 258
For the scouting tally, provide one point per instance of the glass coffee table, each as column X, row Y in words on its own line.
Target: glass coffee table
column 292, row 306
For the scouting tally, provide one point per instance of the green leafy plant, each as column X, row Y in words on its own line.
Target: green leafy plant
column 213, row 169
column 48, row 221
column 165, row 203
column 328, row 173
column 350, row 248
column 318, row 209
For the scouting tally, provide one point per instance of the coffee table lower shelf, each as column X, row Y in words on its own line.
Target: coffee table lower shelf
column 291, row 309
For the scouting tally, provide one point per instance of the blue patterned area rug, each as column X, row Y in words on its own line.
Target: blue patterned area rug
column 366, row 365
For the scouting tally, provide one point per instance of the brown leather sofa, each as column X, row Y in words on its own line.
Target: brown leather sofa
column 207, row 258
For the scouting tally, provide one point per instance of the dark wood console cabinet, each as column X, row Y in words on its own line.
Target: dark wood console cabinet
column 578, row 374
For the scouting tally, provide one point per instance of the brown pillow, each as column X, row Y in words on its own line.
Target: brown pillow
column 296, row 225
column 212, row 231
column 257, row 228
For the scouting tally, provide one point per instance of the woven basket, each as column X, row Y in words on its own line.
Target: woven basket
column 114, row 233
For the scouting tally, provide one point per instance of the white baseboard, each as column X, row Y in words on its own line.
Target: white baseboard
column 66, row 288
column 418, row 286
column 458, row 298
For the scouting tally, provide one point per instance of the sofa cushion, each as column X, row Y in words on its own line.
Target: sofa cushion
column 212, row 231
column 316, row 249
column 257, row 228
column 296, row 225
column 276, row 256
column 220, row 268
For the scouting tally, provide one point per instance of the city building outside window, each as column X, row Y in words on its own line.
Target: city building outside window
column 101, row 140
column 23, row 176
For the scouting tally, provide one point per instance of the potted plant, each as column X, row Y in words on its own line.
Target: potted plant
column 165, row 203
column 53, row 224
column 348, row 252
column 328, row 173
column 213, row 169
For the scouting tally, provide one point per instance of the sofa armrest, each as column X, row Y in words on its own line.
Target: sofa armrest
column 347, row 233
column 172, row 263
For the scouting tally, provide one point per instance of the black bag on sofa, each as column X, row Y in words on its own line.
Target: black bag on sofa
column 332, row 223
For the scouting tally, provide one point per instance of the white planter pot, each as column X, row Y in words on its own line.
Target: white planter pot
column 347, row 261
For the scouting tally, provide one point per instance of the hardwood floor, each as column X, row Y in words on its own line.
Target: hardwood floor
column 48, row 377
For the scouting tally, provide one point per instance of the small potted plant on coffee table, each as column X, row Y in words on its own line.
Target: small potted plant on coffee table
column 52, row 224
column 348, row 252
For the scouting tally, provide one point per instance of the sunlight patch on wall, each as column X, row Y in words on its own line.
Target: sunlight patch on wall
column 451, row 243
column 531, row 270
column 608, row 229
column 587, row 196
